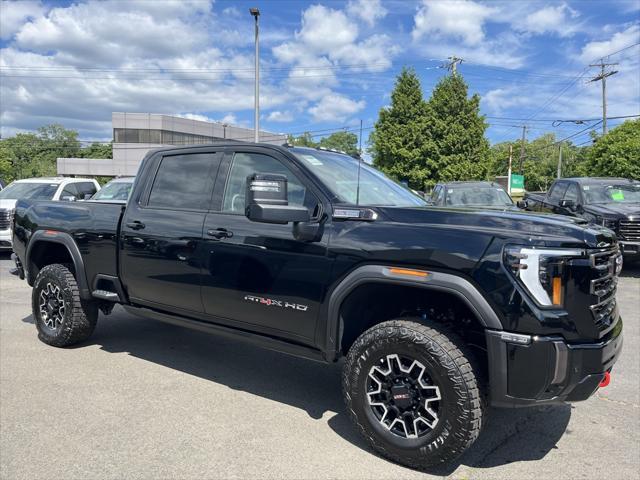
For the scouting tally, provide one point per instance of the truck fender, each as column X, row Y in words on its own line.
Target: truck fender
column 65, row 239
column 440, row 281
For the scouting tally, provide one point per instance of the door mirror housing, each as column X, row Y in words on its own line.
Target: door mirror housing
column 522, row 204
column 570, row 204
column 267, row 200
column 87, row 196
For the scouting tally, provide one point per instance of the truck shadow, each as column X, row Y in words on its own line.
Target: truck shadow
column 509, row 436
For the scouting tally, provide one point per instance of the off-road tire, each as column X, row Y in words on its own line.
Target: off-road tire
column 80, row 316
column 452, row 368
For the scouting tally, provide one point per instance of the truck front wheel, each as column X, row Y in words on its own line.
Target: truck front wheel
column 61, row 316
column 413, row 393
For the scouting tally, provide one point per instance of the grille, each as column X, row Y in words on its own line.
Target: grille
column 606, row 267
column 5, row 219
column 629, row 230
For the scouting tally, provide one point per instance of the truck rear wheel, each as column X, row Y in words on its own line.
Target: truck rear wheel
column 61, row 316
column 413, row 393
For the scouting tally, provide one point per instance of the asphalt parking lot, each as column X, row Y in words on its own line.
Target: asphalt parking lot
column 143, row 399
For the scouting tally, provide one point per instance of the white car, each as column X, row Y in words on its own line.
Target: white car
column 46, row 188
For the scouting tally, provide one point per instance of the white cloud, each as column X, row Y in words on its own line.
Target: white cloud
column 598, row 49
column 459, row 19
column 335, row 108
column 324, row 29
column 559, row 19
column 280, row 116
column 369, row 11
column 13, row 14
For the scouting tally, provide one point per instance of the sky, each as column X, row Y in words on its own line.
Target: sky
column 324, row 65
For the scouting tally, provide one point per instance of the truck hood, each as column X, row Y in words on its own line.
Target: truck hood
column 617, row 211
column 521, row 226
column 7, row 203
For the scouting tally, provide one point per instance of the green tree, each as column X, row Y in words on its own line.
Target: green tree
column 541, row 160
column 400, row 142
column 98, row 150
column 34, row 154
column 304, row 140
column 460, row 150
column 616, row 154
column 343, row 141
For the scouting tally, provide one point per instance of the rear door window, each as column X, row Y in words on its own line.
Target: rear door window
column 184, row 182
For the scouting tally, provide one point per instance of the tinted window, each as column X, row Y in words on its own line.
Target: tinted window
column 70, row 190
column 184, row 182
column 572, row 193
column 34, row 191
column 85, row 188
column 557, row 191
column 244, row 164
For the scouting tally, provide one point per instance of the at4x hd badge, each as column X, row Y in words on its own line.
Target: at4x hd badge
column 272, row 302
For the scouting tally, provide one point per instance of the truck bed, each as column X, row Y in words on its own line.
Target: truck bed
column 93, row 225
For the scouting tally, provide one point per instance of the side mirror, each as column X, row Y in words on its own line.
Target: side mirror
column 68, row 198
column 87, row 196
column 267, row 200
column 570, row 204
column 523, row 204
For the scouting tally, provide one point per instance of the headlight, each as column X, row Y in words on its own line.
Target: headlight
column 11, row 215
column 541, row 271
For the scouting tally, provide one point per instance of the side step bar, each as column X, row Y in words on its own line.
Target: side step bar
column 106, row 295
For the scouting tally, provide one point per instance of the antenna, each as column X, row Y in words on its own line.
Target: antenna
column 359, row 166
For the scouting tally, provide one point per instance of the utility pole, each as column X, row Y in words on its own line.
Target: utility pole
column 453, row 63
column 559, row 175
column 524, row 132
column 603, row 77
column 256, row 135
column 360, row 139
column 509, row 169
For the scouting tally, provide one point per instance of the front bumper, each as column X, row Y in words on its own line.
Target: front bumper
column 547, row 370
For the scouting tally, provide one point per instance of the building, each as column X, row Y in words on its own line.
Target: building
column 134, row 134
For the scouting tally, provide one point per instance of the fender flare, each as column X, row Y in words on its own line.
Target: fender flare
column 440, row 281
column 67, row 240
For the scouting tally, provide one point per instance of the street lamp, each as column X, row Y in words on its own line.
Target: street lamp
column 256, row 136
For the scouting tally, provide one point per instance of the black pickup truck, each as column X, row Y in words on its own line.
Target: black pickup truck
column 611, row 202
column 439, row 312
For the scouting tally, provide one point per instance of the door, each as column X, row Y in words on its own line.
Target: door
column 161, row 233
column 258, row 276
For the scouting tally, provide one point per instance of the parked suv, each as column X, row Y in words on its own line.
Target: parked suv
column 438, row 311
column 45, row 188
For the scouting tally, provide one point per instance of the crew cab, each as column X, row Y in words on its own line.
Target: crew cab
column 472, row 194
column 44, row 188
column 611, row 202
column 437, row 311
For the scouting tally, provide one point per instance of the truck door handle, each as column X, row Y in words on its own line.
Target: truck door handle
column 220, row 233
column 135, row 225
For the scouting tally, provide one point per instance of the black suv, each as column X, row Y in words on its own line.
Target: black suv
column 313, row 253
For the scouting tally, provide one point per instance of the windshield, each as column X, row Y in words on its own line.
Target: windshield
column 114, row 191
column 339, row 173
column 477, row 197
column 610, row 193
column 33, row 191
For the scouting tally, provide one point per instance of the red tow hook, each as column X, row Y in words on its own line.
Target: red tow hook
column 605, row 380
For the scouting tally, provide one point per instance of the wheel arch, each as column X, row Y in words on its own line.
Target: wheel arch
column 450, row 284
column 63, row 242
